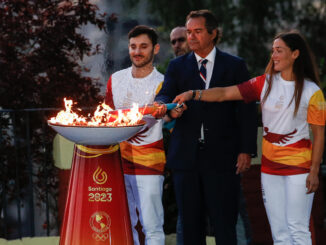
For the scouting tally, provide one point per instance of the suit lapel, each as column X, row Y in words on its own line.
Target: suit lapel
column 217, row 69
column 197, row 82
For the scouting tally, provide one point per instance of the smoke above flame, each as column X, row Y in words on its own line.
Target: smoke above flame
column 104, row 116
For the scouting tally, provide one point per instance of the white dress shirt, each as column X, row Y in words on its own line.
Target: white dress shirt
column 209, row 71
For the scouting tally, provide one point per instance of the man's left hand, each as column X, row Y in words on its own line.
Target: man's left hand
column 160, row 110
column 243, row 163
column 178, row 111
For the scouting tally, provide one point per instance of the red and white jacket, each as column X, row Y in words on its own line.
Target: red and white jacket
column 144, row 153
column 286, row 147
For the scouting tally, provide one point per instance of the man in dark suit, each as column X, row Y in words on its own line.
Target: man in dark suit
column 211, row 142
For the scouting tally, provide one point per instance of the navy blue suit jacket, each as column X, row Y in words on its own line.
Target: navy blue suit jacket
column 230, row 127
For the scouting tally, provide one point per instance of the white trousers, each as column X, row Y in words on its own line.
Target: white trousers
column 288, row 208
column 144, row 193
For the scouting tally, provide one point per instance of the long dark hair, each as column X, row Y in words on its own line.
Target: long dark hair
column 304, row 65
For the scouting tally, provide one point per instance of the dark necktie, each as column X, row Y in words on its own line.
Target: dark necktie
column 202, row 70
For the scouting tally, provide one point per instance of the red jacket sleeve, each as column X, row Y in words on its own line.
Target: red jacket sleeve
column 251, row 90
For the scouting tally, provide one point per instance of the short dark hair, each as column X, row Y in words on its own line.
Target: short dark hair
column 142, row 29
column 211, row 22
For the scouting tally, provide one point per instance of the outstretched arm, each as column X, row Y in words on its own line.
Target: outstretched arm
column 318, row 133
column 217, row 94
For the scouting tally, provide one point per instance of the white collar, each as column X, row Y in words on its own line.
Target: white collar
column 210, row 57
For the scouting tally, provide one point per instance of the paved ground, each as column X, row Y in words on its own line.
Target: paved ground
column 171, row 238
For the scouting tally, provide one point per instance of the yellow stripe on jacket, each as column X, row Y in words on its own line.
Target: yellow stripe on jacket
column 316, row 109
column 286, row 155
column 151, row 155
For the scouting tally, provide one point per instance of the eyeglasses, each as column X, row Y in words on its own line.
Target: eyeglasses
column 180, row 40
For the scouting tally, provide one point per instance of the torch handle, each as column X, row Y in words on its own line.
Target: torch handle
column 148, row 109
column 171, row 106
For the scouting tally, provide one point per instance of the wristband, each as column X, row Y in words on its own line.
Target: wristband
column 200, row 92
column 193, row 94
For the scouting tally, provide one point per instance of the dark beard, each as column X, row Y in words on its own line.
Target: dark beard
column 145, row 62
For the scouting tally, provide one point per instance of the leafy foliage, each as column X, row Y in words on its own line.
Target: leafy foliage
column 41, row 50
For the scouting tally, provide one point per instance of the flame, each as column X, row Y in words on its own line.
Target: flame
column 104, row 115
column 134, row 114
